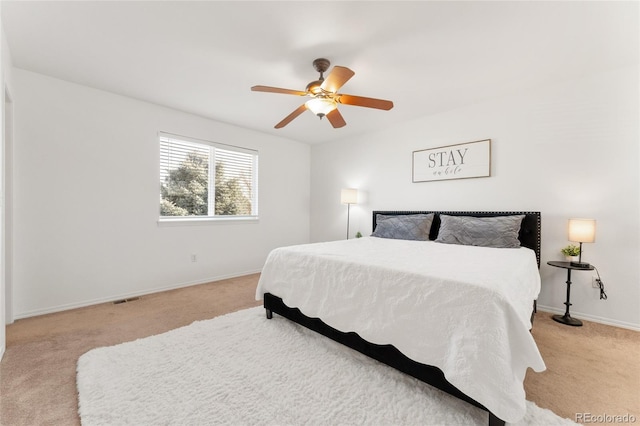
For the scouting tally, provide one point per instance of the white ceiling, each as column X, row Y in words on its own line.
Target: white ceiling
column 427, row 57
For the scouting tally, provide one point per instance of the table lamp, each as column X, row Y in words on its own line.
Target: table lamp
column 349, row 196
column 582, row 231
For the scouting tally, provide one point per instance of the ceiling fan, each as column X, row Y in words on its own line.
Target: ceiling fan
column 324, row 95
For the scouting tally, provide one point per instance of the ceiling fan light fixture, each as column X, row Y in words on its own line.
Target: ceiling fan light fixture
column 321, row 106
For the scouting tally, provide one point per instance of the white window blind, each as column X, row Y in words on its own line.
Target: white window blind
column 206, row 179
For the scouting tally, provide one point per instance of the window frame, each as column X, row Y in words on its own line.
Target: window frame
column 209, row 219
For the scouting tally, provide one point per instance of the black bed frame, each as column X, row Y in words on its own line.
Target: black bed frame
column 530, row 232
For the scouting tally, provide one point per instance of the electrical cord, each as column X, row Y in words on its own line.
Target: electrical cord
column 603, row 295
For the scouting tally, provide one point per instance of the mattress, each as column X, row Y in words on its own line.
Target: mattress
column 463, row 309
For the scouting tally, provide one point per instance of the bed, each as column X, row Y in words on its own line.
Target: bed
column 454, row 315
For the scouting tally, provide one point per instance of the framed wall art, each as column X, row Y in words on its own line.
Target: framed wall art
column 460, row 161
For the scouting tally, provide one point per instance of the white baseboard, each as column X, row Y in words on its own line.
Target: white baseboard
column 593, row 318
column 121, row 296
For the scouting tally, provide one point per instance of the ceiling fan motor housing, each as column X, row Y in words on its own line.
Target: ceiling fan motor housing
column 314, row 88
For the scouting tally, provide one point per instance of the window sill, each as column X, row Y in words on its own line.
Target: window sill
column 191, row 220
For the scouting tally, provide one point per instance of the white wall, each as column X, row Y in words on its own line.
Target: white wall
column 568, row 150
column 5, row 190
column 2, row 127
column 87, row 193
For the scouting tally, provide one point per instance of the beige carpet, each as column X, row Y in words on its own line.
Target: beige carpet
column 592, row 369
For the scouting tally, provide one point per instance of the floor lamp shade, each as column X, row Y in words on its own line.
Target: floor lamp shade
column 349, row 196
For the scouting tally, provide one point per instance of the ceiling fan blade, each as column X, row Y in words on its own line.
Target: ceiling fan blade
column 336, row 119
column 336, row 79
column 364, row 102
column 278, row 90
column 289, row 118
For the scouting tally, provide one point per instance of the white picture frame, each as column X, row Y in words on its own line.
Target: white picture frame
column 458, row 161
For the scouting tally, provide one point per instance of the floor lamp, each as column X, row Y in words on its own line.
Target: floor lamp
column 349, row 196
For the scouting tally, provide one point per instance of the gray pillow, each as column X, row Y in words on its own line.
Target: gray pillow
column 403, row 227
column 501, row 231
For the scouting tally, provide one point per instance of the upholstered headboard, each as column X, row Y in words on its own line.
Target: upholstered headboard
column 530, row 230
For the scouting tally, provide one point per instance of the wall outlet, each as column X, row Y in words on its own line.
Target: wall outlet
column 595, row 282
column 194, row 257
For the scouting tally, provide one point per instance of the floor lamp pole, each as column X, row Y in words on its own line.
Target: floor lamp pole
column 348, row 210
column 349, row 196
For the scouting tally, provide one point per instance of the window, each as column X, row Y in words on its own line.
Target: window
column 200, row 179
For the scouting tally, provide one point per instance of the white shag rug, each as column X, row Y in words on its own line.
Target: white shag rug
column 242, row 369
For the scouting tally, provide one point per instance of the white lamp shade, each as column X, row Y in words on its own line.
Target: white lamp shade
column 582, row 230
column 349, row 196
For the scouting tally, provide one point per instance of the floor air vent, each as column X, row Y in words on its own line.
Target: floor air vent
column 131, row 299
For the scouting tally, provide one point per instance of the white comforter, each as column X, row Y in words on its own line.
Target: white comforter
column 463, row 309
